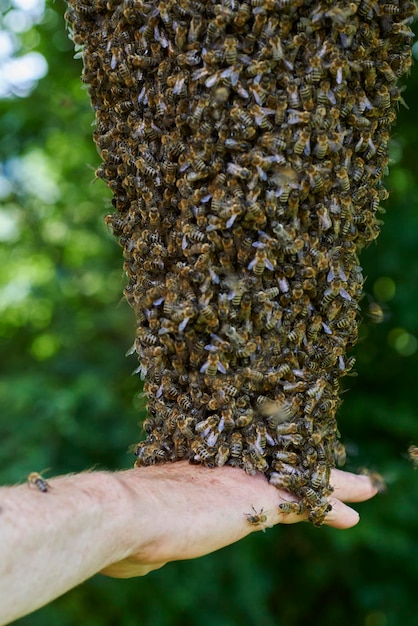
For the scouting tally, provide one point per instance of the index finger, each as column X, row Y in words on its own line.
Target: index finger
column 350, row 487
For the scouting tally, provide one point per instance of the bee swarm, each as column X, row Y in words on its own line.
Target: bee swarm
column 245, row 144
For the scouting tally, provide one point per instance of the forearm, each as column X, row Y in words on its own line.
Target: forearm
column 125, row 523
column 129, row 523
column 51, row 542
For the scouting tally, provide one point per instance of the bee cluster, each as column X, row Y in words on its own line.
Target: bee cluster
column 245, row 143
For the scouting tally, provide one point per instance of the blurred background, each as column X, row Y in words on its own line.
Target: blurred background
column 68, row 401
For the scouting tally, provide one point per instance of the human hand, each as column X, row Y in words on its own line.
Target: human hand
column 195, row 510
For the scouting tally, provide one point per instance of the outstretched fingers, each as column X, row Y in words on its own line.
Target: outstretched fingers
column 347, row 487
column 340, row 515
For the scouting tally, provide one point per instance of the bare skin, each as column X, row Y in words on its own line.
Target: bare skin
column 126, row 524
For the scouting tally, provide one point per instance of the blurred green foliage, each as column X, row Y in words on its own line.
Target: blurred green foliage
column 68, row 401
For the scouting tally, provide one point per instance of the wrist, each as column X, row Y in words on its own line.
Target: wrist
column 134, row 506
column 134, row 510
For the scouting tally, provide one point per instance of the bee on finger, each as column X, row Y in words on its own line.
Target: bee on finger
column 254, row 518
column 317, row 513
column 202, row 453
column 37, row 480
column 292, row 507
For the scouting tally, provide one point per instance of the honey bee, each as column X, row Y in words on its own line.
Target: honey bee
column 209, row 424
column 387, row 71
column 244, row 419
column 306, row 96
column 215, row 28
column 339, row 453
column 222, row 455
column 376, row 479
column 349, row 365
column 382, row 97
column 223, row 306
column 286, row 429
column 320, row 476
column 254, row 459
column 242, row 15
column 254, row 518
column 37, row 480
column 291, row 482
column 302, row 143
column 260, row 262
column 147, row 337
column 286, row 457
column 358, row 171
column 279, row 411
column 252, row 374
column 202, row 453
column 230, row 390
column 207, row 314
column 317, row 513
column 216, row 402
column 375, row 313
column 236, row 339
column 333, row 310
column 238, row 171
column 186, row 426
column 340, row 16
column 246, row 350
column 279, row 117
column 260, row 115
column 292, row 507
column 259, row 23
column 295, row 440
column 409, row 9
column 213, row 365
column 245, row 307
column 236, row 445
column 413, row 455
column 269, row 294
column 322, row 145
column 314, row 71
column 180, row 36
column 310, row 494
column 230, row 44
column 125, row 72
column 342, row 177
column 314, row 327
column 315, row 178
column 293, row 98
column 185, row 402
column 149, row 455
